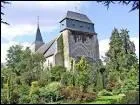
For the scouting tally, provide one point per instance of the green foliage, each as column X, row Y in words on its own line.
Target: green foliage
column 4, row 99
column 105, row 93
column 13, row 57
column 56, row 73
column 34, row 88
column 24, row 99
column 99, row 82
column 82, row 65
column 28, row 77
column 82, row 69
column 51, row 92
column 44, row 78
column 34, row 93
column 121, row 63
column 24, row 94
column 82, row 80
column 68, row 78
column 131, row 97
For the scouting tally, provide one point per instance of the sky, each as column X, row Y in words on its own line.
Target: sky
column 22, row 16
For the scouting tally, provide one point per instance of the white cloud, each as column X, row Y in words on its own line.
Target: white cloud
column 104, row 46
column 136, row 42
column 6, row 46
column 10, row 32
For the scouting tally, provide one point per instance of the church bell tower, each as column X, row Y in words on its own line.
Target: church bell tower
column 80, row 38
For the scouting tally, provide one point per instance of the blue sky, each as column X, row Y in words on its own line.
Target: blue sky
column 23, row 19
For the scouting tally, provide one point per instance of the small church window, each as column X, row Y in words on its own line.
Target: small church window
column 62, row 24
column 81, row 26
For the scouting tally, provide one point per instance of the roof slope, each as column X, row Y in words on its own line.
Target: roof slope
column 45, row 47
column 77, row 16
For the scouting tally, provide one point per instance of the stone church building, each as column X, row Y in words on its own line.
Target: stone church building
column 77, row 38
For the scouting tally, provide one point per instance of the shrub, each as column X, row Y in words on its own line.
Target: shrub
column 44, row 78
column 110, row 85
column 132, row 97
column 50, row 93
column 34, row 88
column 24, row 99
column 105, row 93
column 74, row 93
column 24, row 94
column 56, row 73
column 4, row 99
column 67, row 78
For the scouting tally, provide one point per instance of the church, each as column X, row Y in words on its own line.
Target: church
column 77, row 38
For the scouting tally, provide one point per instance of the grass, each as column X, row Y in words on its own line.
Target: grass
column 106, row 100
column 100, row 100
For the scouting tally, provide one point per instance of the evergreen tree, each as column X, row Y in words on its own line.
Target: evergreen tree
column 115, row 47
column 120, row 58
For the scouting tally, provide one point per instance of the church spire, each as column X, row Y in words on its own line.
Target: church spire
column 38, row 33
column 38, row 41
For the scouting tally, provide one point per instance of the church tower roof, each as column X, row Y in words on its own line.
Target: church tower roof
column 38, row 34
column 77, row 16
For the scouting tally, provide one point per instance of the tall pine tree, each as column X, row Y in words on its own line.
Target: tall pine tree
column 121, row 57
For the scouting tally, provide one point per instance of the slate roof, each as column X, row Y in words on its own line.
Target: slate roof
column 77, row 16
column 38, row 36
column 45, row 47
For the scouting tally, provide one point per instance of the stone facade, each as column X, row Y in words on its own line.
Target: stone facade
column 75, row 47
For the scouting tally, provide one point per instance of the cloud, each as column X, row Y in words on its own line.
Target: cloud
column 104, row 46
column 136, row 42
column 10, row 32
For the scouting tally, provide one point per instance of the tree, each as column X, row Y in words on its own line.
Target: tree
column 121, row 59
column 115, row 47
column 82, row 68
column 135, row 4
column 2, row 5
column 14, row 57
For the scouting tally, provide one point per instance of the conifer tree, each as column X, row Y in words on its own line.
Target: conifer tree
column 121, row 57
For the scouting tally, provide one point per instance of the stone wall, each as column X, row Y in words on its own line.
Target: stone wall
column 66, row 35
column 77, row 45
column 87, row 48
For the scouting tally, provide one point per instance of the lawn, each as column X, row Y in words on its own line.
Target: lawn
column 106, row 100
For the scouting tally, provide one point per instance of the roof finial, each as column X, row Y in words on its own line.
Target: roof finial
column 38, row 21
